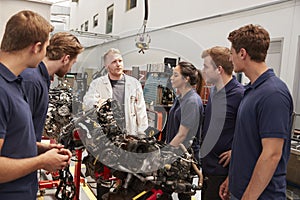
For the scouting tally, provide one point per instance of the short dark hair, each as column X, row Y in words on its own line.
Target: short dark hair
column 253, row 38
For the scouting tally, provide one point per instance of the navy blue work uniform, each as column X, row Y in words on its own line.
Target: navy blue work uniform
column 264, row 112
column 229, row 98
column 233, row 93
column 186, row 111
column 16, row 128
column 36, row 82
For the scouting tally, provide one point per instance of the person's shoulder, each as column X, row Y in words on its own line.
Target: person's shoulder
column 31, row 74
column 101, row 79
column 194, row 98
column 238, row 88
column 279, row 81
column 238, row 85
column 276, row 90
column 27, row 72
column 276, row 84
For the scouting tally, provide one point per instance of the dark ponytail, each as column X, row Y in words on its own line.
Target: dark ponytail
column 195, row 76
column 200, row 82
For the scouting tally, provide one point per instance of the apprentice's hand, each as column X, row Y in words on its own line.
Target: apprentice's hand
column 225, row 158
column 224, row 190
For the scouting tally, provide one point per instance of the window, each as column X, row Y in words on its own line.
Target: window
column 109, row 20
column 274, row 55
column 86, row 25
column 95, row 20
column 130, row 4
column 296, row 92
column 81, row 27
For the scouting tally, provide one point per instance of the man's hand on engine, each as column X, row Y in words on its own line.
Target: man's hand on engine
column 100, row 102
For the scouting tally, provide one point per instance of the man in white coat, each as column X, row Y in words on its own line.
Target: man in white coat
column 125, row 89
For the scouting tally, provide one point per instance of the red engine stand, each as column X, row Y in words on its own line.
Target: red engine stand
column 77, row 173
column 155, row 195
column 49, row 184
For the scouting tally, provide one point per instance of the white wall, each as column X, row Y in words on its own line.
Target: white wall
column 297, row 87
column 123, row 20
column 188, row 27
column 187, row 41
column 213, row 20
column 280, row 21
column 161, row 13
column 11, row 7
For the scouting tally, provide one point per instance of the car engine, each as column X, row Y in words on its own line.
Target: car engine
column 126, row 164
column 139, row 164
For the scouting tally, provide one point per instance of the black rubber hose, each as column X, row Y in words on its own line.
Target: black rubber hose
column 146, row 10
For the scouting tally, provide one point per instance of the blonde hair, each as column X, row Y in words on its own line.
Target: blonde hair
column 220, row 57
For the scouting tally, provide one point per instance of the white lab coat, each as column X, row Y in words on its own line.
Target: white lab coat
column 135, row 108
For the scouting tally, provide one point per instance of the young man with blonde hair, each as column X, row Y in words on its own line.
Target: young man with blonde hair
column 23, row 46
column 220, row 116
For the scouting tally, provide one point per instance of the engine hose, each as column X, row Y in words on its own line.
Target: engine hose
column 128, row 179
column 144, row 179
column 185, row 150
column 199, row 173
column 197, row 170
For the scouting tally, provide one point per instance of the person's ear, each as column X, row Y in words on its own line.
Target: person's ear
column 220, row 69
column 37, row 47
column 187, row 79
column 243, row 53
column 66, row 59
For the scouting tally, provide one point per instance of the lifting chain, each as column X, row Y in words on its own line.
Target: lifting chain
column 66, row 187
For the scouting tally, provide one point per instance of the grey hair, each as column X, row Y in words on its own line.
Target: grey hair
column 111, row 50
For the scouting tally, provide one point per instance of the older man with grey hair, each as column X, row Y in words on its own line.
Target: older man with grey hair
column 123, row 88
